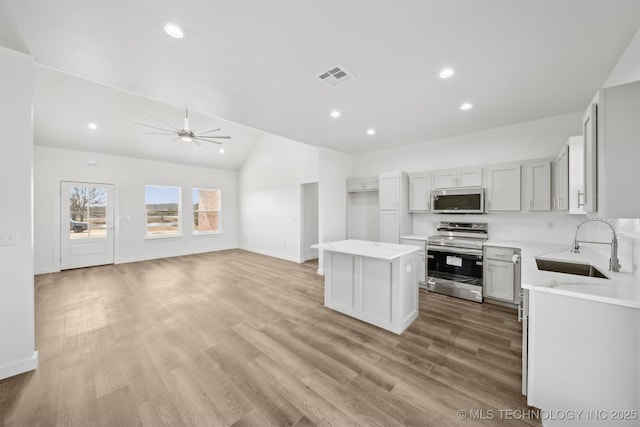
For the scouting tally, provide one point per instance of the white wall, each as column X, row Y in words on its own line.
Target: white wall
column 528, row 140
column 627, row 69
column 335, row 168
column 17, row 321
column 130, row 176
column 269, row 195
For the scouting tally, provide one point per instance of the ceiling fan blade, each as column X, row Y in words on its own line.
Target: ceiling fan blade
column 152, row 127
column 195, row 141
column 206, row 140
column 165, row 123
column 207, row 131
column 215, row 137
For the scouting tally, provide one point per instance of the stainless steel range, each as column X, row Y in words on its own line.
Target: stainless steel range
column 454, row 259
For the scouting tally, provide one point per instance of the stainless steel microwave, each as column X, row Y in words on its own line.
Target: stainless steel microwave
column 458, row 201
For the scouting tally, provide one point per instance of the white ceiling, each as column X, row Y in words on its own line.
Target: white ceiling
column 257, row 62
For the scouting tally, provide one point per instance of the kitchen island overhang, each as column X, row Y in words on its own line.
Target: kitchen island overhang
column 372, row 281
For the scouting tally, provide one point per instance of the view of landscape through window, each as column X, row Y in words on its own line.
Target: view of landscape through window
column 163, row 210
column 206, row 210
column 87, row 213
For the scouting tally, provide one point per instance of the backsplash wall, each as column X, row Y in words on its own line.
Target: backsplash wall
column 530, row 227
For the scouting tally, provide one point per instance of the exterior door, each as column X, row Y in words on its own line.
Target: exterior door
column 87, row 224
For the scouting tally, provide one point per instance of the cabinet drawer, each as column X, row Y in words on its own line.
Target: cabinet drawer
column 504, row 254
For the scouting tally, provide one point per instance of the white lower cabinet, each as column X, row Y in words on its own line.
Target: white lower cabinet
column 422, row 258
column 503, row 187
column 501, row 272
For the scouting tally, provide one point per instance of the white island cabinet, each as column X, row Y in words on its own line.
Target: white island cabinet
column 372, row 281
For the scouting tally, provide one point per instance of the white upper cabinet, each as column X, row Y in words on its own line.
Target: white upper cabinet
column 390, row 191
column 419, row 192
column 590, row 129
column 538, row 179
column 618, row 152
column 452, row 178
column 395, row 219
column 503, row 187
column 576, row 174
column 561, row 180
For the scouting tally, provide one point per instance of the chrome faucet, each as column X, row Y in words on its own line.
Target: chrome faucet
column 614, row 264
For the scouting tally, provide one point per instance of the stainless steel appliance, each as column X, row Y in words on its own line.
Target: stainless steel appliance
column 459, row 200
column 454, row 259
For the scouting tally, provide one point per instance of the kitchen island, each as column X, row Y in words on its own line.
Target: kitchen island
column 372, row 281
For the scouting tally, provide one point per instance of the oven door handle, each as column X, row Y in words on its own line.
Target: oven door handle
column 455, row 250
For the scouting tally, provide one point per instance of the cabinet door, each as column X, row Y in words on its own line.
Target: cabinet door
column 389, row 227
column 539, row 186
column 503, row 189
column 590, row 132
column 389, row 191
column 469, row 177
column 561, row 181
column 444, row 179
column 499, row 283
column 576, row 175
column 419, row 192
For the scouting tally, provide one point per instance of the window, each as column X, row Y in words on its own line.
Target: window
column 206, row 210
column 87, row 212
column 163, row 210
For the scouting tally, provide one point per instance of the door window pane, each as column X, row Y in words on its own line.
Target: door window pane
column 206, row 210
column 163, row 210
column 87, row 213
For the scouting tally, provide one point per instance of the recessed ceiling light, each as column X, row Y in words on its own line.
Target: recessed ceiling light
column 335, row 114
column 446, row 73
column 371, row 131
column 466, row 106
column 174, row 30
column 222, row 150
column 92, row 126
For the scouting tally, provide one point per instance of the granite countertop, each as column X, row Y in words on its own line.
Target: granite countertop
column 621, row 288
column 387, row 251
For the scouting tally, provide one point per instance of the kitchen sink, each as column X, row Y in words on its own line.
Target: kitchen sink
column 569, row 268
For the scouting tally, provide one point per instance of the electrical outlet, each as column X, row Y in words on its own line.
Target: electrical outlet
column 7, row 238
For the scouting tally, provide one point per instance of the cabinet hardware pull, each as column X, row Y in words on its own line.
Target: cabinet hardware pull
column 580, row 193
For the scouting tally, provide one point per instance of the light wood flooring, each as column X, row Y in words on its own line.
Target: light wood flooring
column 233, row 338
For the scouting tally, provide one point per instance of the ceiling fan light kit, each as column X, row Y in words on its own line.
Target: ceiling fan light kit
column 186, row 134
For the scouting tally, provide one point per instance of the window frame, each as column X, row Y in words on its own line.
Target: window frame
column 178, row 233
column 196, row 232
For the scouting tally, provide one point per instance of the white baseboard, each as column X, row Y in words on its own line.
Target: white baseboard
column 46, row 270
column 167, row 255
column 320, row 272
column 19, row 367
column 271, row 254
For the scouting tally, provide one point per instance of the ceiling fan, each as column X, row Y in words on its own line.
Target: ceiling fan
column 185, row 134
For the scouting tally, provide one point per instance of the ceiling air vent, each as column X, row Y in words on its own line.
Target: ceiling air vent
column 335, row 76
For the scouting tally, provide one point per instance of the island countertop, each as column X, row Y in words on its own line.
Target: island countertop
column 366, row 248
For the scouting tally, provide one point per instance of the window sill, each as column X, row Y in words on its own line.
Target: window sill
column 206, row 233
column 160, row 237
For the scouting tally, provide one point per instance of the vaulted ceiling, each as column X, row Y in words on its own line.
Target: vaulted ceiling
column 256, row 64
